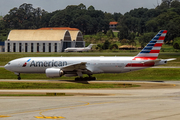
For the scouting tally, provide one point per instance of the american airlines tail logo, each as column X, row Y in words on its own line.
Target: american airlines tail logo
column 24, row 65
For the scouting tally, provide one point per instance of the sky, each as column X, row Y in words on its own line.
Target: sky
column 110, row 6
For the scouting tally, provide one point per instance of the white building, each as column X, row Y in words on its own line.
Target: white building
column 43, row 40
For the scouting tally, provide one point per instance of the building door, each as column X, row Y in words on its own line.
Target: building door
column 26, row 47
column 49, row 47
column 8, row 50
column 79, row 44
column 66, row 45
column 20, row 47
column 55, row 47
column 14, row 47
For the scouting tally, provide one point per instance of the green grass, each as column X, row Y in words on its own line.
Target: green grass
column 31, row 85
column 150, row 74
column 115, row 34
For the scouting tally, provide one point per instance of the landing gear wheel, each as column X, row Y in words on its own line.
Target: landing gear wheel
column 19, row 78
column 92, row 78
column 77, row 79
column 80, row 79
column 85, row 79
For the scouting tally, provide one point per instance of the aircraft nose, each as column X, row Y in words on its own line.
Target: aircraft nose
column 7, row 67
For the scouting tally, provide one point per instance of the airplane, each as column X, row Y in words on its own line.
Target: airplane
column 84, row 49
column 77, row 66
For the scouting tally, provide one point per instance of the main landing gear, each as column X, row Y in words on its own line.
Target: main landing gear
column 85, row 79
column 19, row 77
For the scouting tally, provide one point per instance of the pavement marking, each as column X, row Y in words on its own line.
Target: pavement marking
column 56, row 117
column 3, row 116
column 71, row 107
column 49, row 117
column 8, row 115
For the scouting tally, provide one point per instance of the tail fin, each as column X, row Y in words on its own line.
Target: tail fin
column 152, row 49
column 90, row 46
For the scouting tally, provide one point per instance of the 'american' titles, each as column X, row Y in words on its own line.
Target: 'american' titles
column 48, row 63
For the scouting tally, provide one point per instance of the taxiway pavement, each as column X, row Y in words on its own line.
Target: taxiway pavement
column 159, row 103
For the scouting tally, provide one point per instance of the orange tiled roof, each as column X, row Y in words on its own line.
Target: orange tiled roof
column 58, row 28
column 113, row 23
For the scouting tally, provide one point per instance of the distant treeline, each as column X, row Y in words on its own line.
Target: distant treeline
column 141, row 22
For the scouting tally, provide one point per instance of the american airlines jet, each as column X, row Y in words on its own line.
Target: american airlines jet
column 84, row 49
column 77, row 66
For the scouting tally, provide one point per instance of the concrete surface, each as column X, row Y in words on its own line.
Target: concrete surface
column 146, row 103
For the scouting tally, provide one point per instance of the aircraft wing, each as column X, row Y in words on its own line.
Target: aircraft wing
column 75, row 66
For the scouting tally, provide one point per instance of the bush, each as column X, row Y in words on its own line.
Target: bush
column 110, row 34
column 106, row 45
column 114, row 46
column 176, row 43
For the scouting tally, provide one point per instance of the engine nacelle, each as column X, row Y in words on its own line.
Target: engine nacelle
column 54, row 72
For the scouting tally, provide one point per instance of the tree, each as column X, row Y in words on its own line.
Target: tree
column 152, row 25
column 176, row 43
column 24, row 17
column 175, row 4
column 110, row 34
column 123, row 32
column 90, row 8
column 106, row 45
column 114, row 46
column 81, row 6
column 144, row 39
column 117, row 16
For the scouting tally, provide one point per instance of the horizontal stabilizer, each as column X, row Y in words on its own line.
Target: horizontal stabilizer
column 170, row 59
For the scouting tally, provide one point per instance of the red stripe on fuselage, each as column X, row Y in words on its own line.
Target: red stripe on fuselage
column 145, row 58
column 140, row 64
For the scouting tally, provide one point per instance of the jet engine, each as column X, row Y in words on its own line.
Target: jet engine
column 54, row 72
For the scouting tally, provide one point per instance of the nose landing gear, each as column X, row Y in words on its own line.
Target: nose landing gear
column 18, row 74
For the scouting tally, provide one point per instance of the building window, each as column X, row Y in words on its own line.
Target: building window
column 49, row 47
column 8, row 50
column 26, row 47
column 14, row 47
column 37, row 47
column 55, row 47
column 32, row 47
column 20, row 47
column 44, row 47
